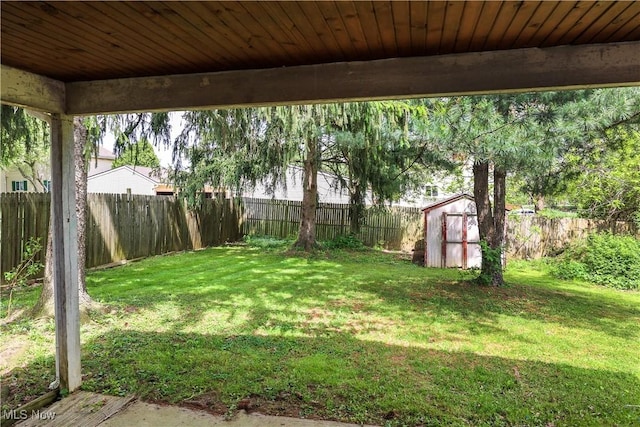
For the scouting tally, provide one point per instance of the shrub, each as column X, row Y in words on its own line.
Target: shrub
column 266, row 242
column 348, row 241
column 604, row 259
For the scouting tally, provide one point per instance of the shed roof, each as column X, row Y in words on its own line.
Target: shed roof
column 447, row 201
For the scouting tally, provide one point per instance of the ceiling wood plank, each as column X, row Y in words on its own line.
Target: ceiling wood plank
column 629, row 29
column 150, row 21
column 285, row 32
column 506, row 14
column 485, row 22
column 99, row 16
column 367, row 16
column 353, row 25
column 470, row 15
column 333, row 21
column 607, row 24
column 402, row 23
column 77, row 57
column 435, row 19
column 321, row 29
column 418, row 26
column 469, row 73
column 31, row 91
column 585, row 22
column 110, row 38
column 518, row 24
column 451, row 28
column 539, row 17
column 384, row 18
column 568, row 22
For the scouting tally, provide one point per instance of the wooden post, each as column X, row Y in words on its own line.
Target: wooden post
column 443, row 255
column 464, row 241
column 65, row 253
column 426, row 241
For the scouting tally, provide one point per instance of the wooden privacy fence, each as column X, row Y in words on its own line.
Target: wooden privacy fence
column 394, row 228
column 533, row 237
column 121, row 227
column 401, row 228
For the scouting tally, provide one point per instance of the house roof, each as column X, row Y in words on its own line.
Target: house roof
column 139, row 171
column 105, row 153
column 447, row 201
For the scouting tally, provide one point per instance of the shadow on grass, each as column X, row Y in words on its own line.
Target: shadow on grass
column 342, row 378
column 244, row 280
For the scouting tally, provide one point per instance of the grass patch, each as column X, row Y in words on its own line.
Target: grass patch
column 357, row 336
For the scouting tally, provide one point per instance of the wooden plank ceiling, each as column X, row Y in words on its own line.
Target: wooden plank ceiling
column 80, row 41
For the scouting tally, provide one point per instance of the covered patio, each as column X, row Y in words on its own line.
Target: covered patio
column 66, row 59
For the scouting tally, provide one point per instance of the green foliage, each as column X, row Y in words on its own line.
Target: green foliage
column 348, row 241
column 491, row 262
column 27, row 268
column 267, row 242
column 556, row 213
column 139, row 154
column 604, row 259
column 608, row 186
column 22, row 135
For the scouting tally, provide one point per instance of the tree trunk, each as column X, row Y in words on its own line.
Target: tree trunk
column 307, row 233
column 356, row 209
column 490, row 222
column 44, row 306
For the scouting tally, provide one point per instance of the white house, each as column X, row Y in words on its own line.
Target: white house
column 103, row 161
column 328, row 188
column 440, row 187
column 124, row 179
column 12, row 180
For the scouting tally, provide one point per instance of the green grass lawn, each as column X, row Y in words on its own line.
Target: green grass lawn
column 353, row 336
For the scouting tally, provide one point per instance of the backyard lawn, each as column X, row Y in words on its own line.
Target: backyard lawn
column 358, row 336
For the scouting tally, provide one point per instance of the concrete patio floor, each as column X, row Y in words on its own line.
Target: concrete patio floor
column 91, row 410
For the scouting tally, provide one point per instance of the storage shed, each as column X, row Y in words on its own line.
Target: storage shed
column 451, row 234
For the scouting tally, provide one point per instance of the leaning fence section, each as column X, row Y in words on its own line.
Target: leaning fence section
column 120, row 226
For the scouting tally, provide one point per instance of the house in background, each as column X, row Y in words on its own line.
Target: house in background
column 12, row 180
column 103, row 161
column 441, row 186
column 328, row 188
column 102, row 178
column 124, row 179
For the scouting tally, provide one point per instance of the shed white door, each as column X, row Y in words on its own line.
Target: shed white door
column 460, row 240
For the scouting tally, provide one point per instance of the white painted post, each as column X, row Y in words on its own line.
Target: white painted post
column 65, row 253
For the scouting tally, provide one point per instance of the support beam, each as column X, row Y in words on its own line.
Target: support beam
column 32, row 91
column 521, row 70
column 65, row 252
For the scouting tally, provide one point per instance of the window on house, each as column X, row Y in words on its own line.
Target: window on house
column 18, row 185
column 47, row 186
column 431, row 191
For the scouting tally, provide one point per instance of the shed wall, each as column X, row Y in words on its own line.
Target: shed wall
column 433, row 239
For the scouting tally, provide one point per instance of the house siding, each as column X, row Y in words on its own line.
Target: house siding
column 117, row 181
